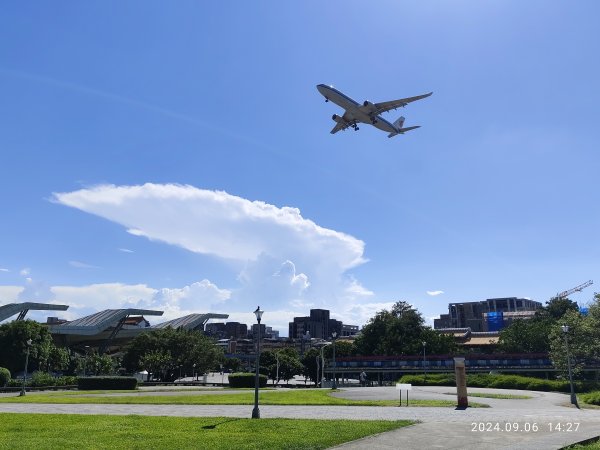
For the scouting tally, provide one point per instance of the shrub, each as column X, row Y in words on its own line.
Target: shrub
column 106, row 383
column 434, row 379
column 501, row 381
column 246, row 380
column 42, row 379
column 4, row 376
column 67, row 381
column 592, row 398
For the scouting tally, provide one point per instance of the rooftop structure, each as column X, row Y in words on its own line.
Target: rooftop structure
column 22, row 309
column 191, row 321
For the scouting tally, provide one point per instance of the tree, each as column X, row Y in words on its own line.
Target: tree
column 400, row 331
column 342, row 348
column 156, row 362
column 96, row 364
column 58, row 360
column 583, row 338
column 185, row 347
column 309, row 361
column 533, row 335
column 526, row 336
column 289, row 364
column 556, row 308
column 13, row 345
column 580, row 343
column 232, row 364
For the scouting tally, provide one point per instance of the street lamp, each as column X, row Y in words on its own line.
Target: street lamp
column 277, row 359
column 26, row 364
column 195, row 374
column 424, row 366
column 256, row 412
column 334, row 384
column 85, row 358
column 323, row 362
column 565, row 329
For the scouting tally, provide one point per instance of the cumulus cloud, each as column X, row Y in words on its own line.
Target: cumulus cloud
column 215, row 222
column 434, row 293
column 290, row 264
column 9, row 294
column 25, row 272
column 35, row 291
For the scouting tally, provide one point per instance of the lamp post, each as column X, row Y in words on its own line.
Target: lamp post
column 323, row 363
column 195, row 373
column 85, row 358
column 334, row 384
column 26, row 363
column 277, row 359
column 318, row 364
column 424, row 366
column 256, row 412
column 565, row 329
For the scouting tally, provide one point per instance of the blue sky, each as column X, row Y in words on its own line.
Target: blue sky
column 177, row 156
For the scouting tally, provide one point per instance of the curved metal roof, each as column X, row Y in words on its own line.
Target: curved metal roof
column 100, row 321
column 191, row 321
column 11, row 309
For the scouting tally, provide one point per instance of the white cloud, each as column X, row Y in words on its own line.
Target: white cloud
column 290, row 261
column 35, row 291
column 2, row 269
column 82, row 265
column 217, row 223
column 26, row 271
column 9, row 294
column 125, row 250
column 434, row 293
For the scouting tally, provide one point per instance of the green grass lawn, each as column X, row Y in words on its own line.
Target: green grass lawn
column 295, row 397
column 66, row 431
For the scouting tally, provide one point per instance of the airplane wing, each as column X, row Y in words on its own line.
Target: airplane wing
column 388, row 106
column 342, row 123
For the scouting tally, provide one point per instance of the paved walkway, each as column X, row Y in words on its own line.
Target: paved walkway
column 440, row 428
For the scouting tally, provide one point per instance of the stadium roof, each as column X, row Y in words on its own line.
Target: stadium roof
column 11, row 309
column 191, row 321
column 100, row 321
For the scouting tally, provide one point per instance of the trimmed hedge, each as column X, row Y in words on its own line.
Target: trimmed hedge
column 107, row 383
column 592, row 398
column 500, row 381
column 246, row 380
column 434, row 379
column 4, row 376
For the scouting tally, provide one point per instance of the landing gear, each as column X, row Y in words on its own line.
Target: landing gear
column 356, row 128
column 326, row 99
column 373, row 121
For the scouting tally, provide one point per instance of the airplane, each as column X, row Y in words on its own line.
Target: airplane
column 367, row 112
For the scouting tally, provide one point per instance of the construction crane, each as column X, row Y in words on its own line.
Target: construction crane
column 579, row 288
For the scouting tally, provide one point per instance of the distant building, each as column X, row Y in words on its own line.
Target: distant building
column 318, row 324
column 228, row 330
column 492, row 314
column 350, row 330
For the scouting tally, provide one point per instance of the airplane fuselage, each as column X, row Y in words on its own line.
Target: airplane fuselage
column 353, row 109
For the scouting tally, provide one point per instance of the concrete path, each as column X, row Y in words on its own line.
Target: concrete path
column 440, row 428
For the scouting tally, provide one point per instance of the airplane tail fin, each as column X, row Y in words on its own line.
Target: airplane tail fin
column 399, row 122
column 398, row 126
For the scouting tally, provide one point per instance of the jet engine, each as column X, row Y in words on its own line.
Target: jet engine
column 336, row 118
column 367, row 103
